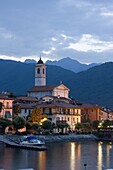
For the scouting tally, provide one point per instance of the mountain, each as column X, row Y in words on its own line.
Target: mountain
column 70, row 64
column 30, row 61
column 92, row 86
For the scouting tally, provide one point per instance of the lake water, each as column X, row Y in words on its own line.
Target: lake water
column 60, row 156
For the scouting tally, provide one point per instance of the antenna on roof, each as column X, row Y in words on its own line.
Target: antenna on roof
column 40, row 56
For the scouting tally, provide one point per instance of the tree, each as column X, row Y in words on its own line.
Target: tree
column 78, row 126
column 1, row 106
column 47, row 125
column 95, row 124
column 35, row 126
column 16, row 109
column 4, row 123
column 86, row 125
column 62, row 125
column 36, row 116
column 106, row 123
column 18, row 123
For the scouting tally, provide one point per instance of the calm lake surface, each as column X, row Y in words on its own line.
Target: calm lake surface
column 60, row 156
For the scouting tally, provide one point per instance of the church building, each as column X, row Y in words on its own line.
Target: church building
column 41, row 89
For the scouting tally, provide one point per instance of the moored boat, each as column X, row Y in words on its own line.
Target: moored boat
column 32, row 141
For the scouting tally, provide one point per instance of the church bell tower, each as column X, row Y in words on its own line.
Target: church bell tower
column 40, row 73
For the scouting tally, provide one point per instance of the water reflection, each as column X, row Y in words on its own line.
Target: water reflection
column 100, row 156
column 104, row 155
column 73, row 157
column 41, row 161
column 66, row 156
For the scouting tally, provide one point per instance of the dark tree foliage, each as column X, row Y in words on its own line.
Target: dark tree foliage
column 18, row 123
column 4, row 123
column 47, row 125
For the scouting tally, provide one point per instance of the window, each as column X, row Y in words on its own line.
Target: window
column 7, row 105
column 43, row 70
column 38, row 70
column 7, row 114
column 58, row 118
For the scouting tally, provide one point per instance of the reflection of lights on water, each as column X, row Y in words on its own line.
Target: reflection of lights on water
column 101, row 142
column 75, row 155
column 42, row 160
column 110, row 143
column 72, row 162
column 109, row 147
column 100, row 156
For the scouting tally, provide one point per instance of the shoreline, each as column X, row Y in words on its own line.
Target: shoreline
column 56, row 138
column 68, row 138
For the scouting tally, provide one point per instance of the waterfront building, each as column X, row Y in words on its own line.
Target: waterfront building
column 41, row 89
column 59, row 109
column 7, row 105
column 54, row 101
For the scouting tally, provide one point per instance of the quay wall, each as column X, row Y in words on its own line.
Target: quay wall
column 56, row 138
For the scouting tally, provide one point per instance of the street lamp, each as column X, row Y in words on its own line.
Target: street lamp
column 85, row 166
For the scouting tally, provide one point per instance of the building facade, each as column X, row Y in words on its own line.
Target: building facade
column 7, row 106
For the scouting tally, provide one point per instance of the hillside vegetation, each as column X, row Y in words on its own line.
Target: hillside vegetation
column 93, row 86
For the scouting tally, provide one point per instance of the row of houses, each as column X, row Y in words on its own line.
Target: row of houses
column 57, row 109
column 54, row 101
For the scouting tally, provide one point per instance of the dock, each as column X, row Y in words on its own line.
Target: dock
column 10, row 143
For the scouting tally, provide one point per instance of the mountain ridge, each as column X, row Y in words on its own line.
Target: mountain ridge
column 71, row 64
column 94, row 85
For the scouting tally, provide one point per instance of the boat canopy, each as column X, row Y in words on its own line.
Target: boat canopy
column 31, row 137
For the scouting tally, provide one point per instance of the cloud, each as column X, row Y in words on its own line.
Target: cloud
column 106, row 11
column 89, row 42
column 74, row 3
column 49, row 51
column 22, row 58
column 65, row 36
column 53, row 39
column 6, row 34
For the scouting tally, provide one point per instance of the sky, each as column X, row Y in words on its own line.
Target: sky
column 56, row 29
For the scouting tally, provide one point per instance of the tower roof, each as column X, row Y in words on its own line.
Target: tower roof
column 40, row 61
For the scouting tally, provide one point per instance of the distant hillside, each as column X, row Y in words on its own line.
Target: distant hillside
column 15, row 76
column 94, row 85
column 72, row 65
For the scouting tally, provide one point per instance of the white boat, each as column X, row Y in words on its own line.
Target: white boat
column 32, row 141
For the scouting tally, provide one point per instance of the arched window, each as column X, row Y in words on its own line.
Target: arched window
column 43, row 70
column 38, row 70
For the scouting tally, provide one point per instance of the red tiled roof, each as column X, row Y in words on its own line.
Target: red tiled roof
column 41, row 88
